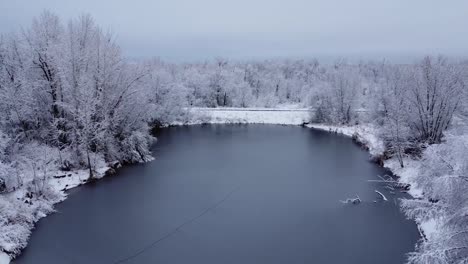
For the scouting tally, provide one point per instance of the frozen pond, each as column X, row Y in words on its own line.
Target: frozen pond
column 231, row 194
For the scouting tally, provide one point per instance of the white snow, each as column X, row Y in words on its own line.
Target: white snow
column 407, row 174
column 282, row 116
column 366, row 134
column 74, row 178
column 381, row 195
column 25, row 211
column 4, row 258
column 429, row 228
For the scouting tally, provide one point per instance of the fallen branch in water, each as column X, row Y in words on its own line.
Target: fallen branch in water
column 381, row 195
column 392, row 183
column 356, row 200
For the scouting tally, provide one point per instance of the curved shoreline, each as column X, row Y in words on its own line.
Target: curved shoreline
column 295, row 117
column 365, row 135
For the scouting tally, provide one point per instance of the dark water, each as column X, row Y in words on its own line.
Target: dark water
column 231, row 194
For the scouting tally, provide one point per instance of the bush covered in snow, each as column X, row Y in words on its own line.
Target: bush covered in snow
column 443, row 177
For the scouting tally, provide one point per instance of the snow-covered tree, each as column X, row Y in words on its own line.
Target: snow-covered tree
column 336, row 98
column 434, row 94
column 443, row 177
column 394, row 107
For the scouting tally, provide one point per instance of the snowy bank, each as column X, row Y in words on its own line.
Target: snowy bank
column 280, row 116
column 368, row 136
column 364, row 134
column 4, row 258
column 21, row 209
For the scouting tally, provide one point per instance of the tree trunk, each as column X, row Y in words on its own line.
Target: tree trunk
column 91, row 174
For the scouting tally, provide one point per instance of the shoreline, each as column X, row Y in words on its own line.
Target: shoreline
column 60, row 182
column 365, row 135
column 403, row 175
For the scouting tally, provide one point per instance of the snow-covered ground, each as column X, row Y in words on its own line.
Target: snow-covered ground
column 4, row 258
column 366, row 134
column 283, row 116
column 67, row 180
column 27, row 210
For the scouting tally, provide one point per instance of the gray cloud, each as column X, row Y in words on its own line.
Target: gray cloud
column 195, row 30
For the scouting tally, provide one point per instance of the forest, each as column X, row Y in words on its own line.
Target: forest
column 71, row 101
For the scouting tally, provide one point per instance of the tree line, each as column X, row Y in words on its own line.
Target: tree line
column 68, row 90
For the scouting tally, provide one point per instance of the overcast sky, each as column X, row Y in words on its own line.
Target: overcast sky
column 244, row 29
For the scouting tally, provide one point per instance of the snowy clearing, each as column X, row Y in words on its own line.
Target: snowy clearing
column 281, row 116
